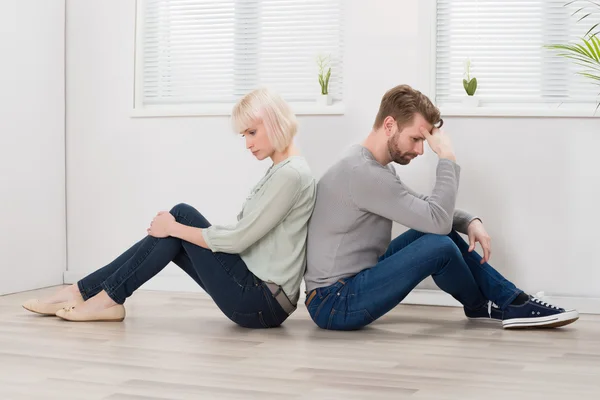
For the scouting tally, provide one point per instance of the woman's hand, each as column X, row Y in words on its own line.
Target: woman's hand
column 161, row 225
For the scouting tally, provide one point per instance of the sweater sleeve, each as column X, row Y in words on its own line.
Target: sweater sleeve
column 380, row 191
column 461, row 218
column 274, row 201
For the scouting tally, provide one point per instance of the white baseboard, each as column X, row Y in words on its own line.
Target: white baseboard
column 182, row 283
column 164, row 282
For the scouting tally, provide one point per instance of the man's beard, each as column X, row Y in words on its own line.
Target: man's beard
column 395, row 154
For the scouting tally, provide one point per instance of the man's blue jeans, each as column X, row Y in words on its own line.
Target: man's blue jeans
column 356, row 301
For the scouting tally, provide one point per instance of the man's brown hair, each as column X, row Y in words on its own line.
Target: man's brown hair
column 402, row 103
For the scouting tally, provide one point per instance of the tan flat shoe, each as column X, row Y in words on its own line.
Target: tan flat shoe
column 36, row 306
column 111, row 314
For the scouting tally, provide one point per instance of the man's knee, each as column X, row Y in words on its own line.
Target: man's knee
column 442, row 244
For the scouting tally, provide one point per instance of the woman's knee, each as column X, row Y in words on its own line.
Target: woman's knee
column 182, row 208
column 188, row 215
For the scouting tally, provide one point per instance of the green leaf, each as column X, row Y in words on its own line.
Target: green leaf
column 596, row 44
column 582, row 8
column 591, row 49
column 585, row 16
column 472, row 87
column 591, row 29
column 583, row 50
column 327, row 81
column 591, row 76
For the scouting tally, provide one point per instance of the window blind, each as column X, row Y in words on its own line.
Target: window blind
column 505, row 42
column 207, row 52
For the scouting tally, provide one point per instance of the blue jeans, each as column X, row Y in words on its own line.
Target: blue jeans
column 356, row 301
column 242, row 297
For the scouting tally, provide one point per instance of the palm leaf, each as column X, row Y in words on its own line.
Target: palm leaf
column 591, row 29
column 585, row 16
column 586, row 54
column 596, row 43
column 592, row 49
column 591, row 76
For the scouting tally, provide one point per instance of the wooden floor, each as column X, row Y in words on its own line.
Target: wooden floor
column 179, row 346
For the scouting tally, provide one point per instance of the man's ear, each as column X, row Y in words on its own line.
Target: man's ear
column 388, row 124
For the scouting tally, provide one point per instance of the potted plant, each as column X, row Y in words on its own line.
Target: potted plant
column 323, row 64
column 586, row 53
column 470, row 85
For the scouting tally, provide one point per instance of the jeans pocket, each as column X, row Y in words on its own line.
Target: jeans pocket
column 252, row 320
column 317, row 306
column 350, row 320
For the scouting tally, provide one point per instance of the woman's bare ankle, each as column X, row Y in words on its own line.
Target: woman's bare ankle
column 69, row 293
column 75, row 293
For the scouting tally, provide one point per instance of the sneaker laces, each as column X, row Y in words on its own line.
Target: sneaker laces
column 538, row 298
column 490, row 304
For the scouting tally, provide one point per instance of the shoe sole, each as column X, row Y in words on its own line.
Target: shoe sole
column 92, row 320
column 552, row 321
column 484, row 319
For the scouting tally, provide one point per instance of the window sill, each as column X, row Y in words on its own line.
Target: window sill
column 525, row 110
column 225, row 110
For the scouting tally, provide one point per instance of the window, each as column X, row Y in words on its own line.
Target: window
column 200, row 53
column 504, row 39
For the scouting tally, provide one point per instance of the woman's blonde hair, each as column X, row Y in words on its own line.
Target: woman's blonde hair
column 277, row 116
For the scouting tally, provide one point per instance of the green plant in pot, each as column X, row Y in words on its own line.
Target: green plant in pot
column 324, row 74
column 470, row 85
column 586, row 52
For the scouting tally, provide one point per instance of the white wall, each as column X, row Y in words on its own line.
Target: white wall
column 32, row 156
column 533, row 181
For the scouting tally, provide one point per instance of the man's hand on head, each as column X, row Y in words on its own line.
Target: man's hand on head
column 439, row 142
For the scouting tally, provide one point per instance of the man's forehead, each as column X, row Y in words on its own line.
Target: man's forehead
column 427, row 127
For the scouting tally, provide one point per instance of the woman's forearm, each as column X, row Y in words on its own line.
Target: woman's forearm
column 188, row 233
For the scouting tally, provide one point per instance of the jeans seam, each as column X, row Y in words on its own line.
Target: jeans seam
column 82, row 291
column 500, row 283
column 131, row 270
column 331, row 315
column 111, row 293
column 510, row 299
column 496, row 280
column 320, row 306
column 266, row 296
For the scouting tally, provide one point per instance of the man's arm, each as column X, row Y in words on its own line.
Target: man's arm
column 461, row 218
column 378, row 190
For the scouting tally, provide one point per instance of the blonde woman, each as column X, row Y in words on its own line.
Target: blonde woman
column 252, row 269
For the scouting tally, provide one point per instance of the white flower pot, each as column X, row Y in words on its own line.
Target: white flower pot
column 324, row 100
column 470, row 101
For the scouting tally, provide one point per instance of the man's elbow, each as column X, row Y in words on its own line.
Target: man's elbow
column 442, row 227
column 445, row 230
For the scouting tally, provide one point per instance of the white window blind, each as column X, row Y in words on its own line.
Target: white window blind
column 210, row 52
column 504, row 39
